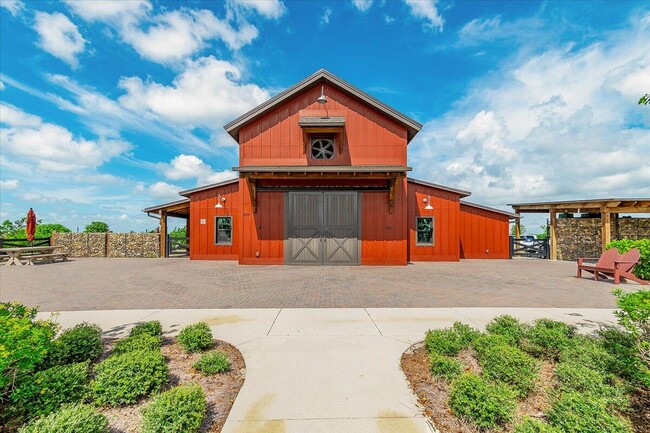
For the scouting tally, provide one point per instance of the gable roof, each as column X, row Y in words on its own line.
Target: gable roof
column 187, row 192
column 460, row 192
column 412, row 126
column 490, row 209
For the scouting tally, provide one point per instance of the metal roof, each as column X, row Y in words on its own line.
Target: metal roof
column 460, row 192
column 321, row 121
column 319, row 76
column 187, row 192
column 324, row 169
column 490, row 209
column 166, row 205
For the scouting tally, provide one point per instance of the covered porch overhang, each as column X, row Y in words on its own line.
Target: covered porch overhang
column 387, row 177
column 175, row 209
column 605, row 207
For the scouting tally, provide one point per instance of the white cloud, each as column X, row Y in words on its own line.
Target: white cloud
column 207, row 93
column 13, row 6
column 109, row 10
column 362, row 5
column 192, row 167
column 59, row 36
column 325, row 18
column 273, row 9
column 164, row 190
column 52, row 147
column 8, row 184
column 559, row 124
column 2, row 86
column 428, row 11
column 389, row 19
column 178, row 34
column 529, row 30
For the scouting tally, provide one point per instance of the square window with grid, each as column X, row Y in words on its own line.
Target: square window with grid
column 223, row 230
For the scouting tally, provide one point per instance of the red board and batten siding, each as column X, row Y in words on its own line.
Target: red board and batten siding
column 202, row 244
column 483, row 233
column 384, row 234
column 262, row 232
column 445, row 212
column 276, row 138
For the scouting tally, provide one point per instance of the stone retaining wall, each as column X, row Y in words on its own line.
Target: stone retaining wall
column 108, row 244
column 581, row 237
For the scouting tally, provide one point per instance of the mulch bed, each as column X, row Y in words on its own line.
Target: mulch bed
column 220, row 389
column 433, row 393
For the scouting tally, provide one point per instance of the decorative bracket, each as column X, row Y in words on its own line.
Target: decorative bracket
column 252, row 190
column 392, row 192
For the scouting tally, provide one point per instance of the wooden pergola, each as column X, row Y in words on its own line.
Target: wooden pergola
column 175, row 209
column 606, row 207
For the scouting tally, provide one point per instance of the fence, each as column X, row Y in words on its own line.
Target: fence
column 177, row 246
column 108, row 244
column 524, row 247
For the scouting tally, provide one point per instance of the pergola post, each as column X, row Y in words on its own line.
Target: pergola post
column 605, row 227
column 163, row 233
column 551, row 233
column 518, row 227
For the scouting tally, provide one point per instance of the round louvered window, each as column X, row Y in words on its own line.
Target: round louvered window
column 322, row 148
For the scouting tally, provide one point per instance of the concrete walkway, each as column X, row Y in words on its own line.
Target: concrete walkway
column 325, row 370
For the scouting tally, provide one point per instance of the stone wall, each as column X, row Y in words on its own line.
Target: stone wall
column 108, row 244
column 581, row 237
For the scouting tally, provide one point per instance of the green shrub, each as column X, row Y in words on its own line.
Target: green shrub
column 137, row 342
column 195, row 338
column 574, row 376
column 74, row 418
column 547, row 338
column 576, row 413
column 153, row 327
column 588, row 351
column 507, row 326
column 82, row 342
column 45, row 391
column 625, row 361
column 212, row 362
column 487, row 341
column 634, row 315
column 122, row 379
column 485, row 404
column 642, row 269
column 450, row 341
column 445, row 367
column 180, row 409
column 511, row 366
column 530, row 425
column 24, row 342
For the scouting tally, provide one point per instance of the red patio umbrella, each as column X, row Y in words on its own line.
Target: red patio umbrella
column 31, row 225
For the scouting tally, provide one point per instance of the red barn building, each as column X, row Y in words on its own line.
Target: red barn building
column 323, row 180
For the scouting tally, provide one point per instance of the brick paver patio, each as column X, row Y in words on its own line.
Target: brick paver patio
column 100, row 284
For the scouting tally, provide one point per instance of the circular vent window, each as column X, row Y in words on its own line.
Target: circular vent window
column 322, row 148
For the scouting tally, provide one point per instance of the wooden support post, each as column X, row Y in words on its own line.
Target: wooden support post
column 252, row 190
column 605, row 228
column 552, row 235
column 187, row 227
column 163, row 233
column 518, row 227
column 392, row 192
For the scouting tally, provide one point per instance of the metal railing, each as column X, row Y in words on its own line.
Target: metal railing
column 17, row 243
column 177, row 247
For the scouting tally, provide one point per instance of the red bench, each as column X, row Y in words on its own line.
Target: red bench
column 612, row 264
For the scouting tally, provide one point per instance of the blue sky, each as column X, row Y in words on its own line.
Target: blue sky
column 110, row 107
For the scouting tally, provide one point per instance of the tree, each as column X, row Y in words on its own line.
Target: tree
column 17, row 230
column 96, row 227
column 178, row 232
column 645, row 99
column 544, row 233
column 522, row 229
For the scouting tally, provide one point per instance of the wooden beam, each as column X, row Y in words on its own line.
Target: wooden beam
column 605, row 228
column 518, row 228
column 163, row 233
column 552, row 235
